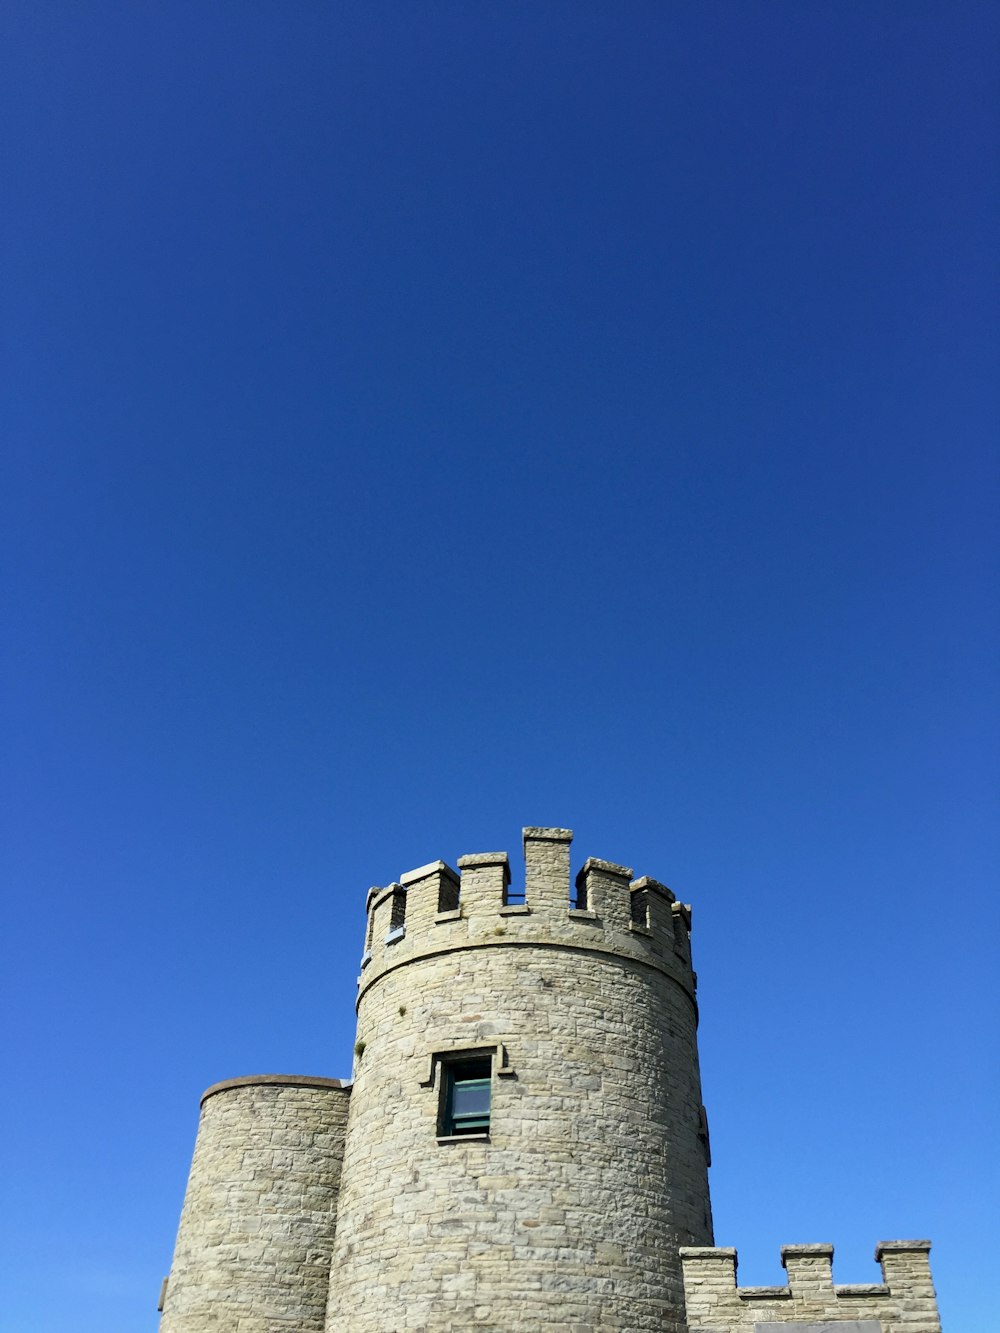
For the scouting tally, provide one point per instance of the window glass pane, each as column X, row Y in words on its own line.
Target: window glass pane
column 471, row 1097
column 467, row 1084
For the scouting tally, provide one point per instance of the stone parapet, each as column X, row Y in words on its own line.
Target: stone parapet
column 437, row 910
column 903, row 1302
column 276, row 1081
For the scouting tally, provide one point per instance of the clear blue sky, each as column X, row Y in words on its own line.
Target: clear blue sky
column 425, row 419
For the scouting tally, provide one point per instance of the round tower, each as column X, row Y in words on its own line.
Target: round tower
column 526, row 1146
column 253, row 1248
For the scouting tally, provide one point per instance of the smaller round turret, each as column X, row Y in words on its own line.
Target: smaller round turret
column 256, row 1232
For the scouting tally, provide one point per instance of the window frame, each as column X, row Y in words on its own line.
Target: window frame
column 468, row 1126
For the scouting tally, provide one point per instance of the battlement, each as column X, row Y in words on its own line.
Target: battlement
column 904, row 1298
column 524, row 1138
column 435, row 908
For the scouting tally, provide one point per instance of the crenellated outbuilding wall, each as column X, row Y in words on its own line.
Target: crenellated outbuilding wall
column 903, row 1302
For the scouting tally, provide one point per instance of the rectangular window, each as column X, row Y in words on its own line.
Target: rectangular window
column 466, row 1085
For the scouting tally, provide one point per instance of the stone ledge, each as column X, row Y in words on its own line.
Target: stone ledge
column 497, row 1051
column 425, row 872
column 647, row 882
column 810, row 1251
column 279, row 1081
column 820, row 1325
column 764, row 1293
column 707, row 1252
column 608, row 867
column 590, row 948
column 900, row 1247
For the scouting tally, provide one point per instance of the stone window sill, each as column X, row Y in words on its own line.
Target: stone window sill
column 463, row 1138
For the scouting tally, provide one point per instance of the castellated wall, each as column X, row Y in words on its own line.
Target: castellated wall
column 256, row 1231
column 579, row 1202
column 570, row 1213
column 903, row 1302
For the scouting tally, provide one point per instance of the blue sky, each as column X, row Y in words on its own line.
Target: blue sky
column 423, row 420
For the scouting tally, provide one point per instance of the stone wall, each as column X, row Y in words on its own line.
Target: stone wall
column 903, row 1302
column 570, row 1213
column 583, row 1204
column 256, row 1231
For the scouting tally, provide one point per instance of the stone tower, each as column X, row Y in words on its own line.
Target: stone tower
column 523, row 1145
column 557, row 1193
column 253, row 1247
